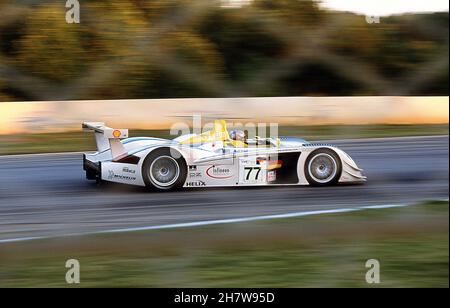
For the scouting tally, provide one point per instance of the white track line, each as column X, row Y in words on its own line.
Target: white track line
column 215, row 222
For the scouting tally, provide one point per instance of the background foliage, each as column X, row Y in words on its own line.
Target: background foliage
column 181, row 48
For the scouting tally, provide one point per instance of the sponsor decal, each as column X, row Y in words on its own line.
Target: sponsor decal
column 271, row 176
column 113, row 176
column 128, row 170
column 219, row 172
column 117, row 133
column 247, row 161
column 196, row 184
column 195, row 174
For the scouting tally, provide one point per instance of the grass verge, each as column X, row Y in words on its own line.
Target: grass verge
column 411, row 244
column 79, row 141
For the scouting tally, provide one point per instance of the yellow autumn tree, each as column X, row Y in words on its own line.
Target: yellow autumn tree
column 50, row 47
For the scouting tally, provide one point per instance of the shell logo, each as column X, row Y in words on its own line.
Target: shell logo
column 117, row 133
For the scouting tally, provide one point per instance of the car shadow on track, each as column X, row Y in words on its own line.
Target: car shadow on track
column 109, row 187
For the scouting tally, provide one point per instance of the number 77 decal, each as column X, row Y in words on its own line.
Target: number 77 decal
column 250, row 171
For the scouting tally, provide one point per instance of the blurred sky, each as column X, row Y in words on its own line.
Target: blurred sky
column 373, row 7
column 22, row 117
column 387, row 7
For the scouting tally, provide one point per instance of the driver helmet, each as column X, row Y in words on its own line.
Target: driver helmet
column 237, row 135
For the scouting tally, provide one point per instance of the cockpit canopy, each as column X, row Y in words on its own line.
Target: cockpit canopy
column 220, row 134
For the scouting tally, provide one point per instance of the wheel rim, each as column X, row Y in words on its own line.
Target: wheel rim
column 322, row 168
column 164, row 171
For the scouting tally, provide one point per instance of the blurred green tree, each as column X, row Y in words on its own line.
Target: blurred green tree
column 243, row 43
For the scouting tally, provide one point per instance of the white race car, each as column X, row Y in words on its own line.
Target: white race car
column 213, row 159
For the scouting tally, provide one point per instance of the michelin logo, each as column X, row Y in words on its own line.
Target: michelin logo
column 113, row 176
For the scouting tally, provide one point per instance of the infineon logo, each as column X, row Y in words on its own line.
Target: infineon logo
column 219, row 172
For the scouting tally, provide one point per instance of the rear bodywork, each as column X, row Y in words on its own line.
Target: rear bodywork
column 211, row 159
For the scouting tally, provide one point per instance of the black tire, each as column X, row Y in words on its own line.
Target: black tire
column 323, row 177
column 156, row 161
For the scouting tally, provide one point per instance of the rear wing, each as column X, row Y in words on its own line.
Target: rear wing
column 107, row 137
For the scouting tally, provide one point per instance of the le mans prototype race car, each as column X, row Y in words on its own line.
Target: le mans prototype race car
column 214, row 159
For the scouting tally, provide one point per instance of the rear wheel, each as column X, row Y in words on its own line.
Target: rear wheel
column 323, row 167
column 164, row 169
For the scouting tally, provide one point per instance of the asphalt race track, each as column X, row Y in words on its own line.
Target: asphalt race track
column 47, row 195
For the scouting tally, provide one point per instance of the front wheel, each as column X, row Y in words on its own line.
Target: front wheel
column 323, row 167
column 164, row 169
